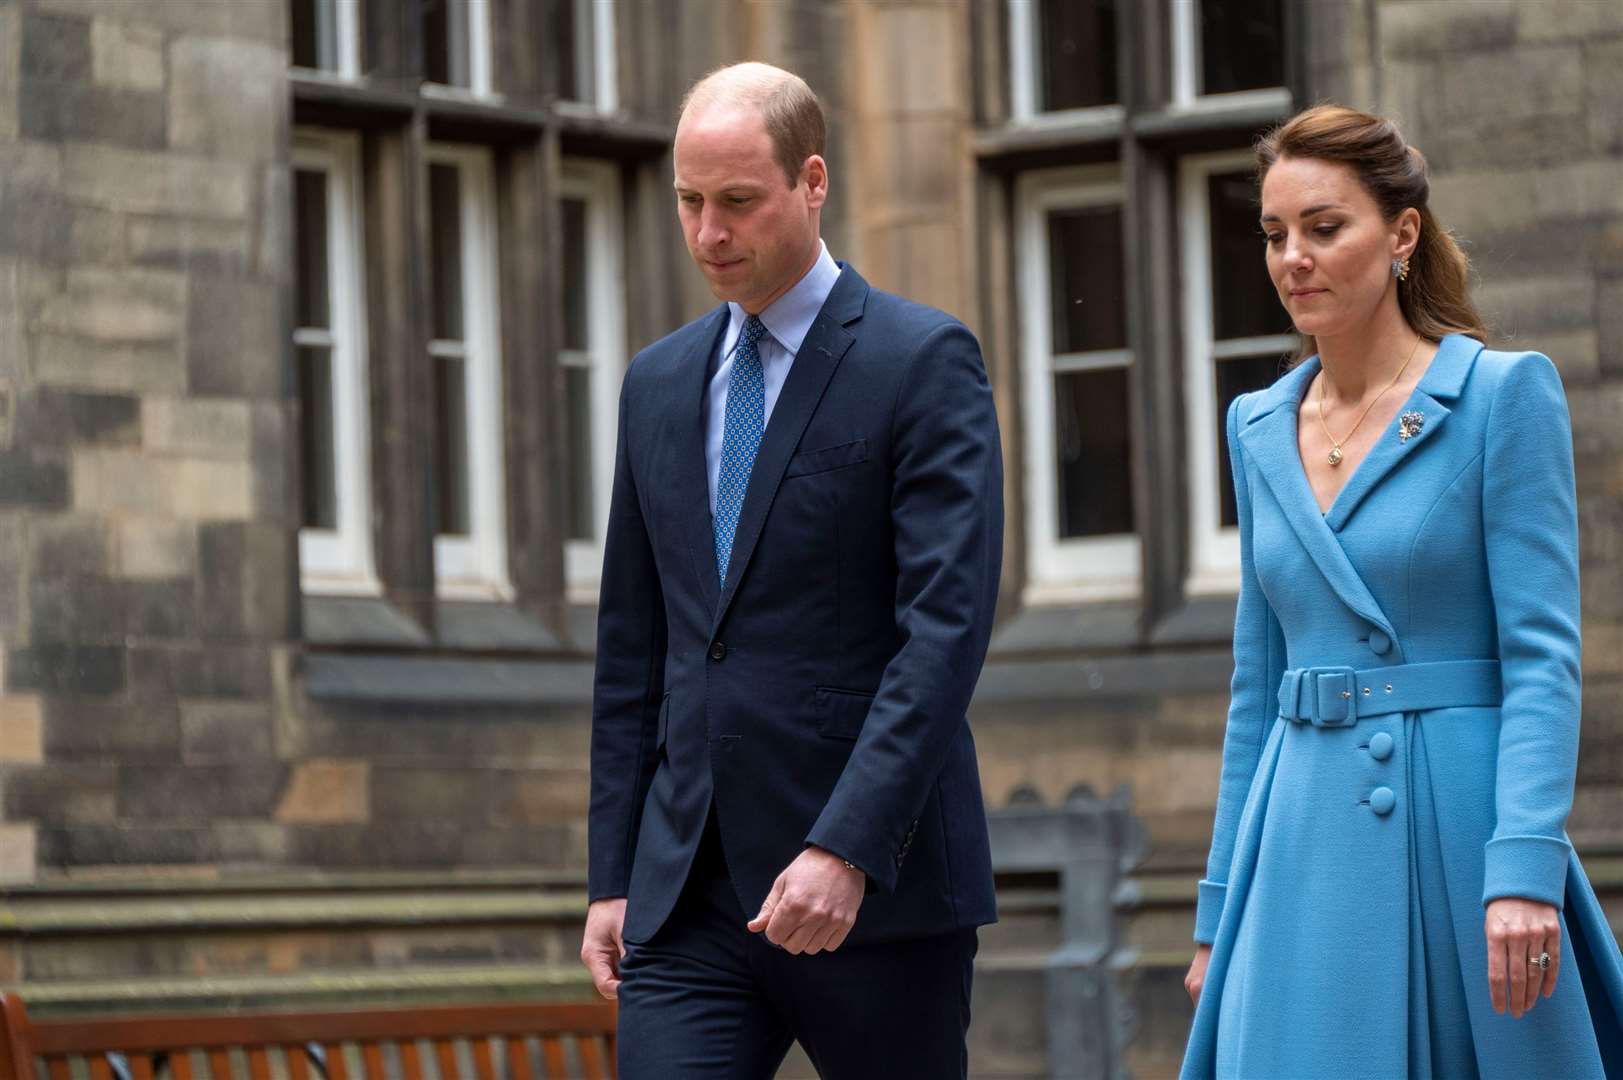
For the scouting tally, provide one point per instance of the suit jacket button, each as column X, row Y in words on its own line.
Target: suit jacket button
column 1381, row 800
column 1379, row 643
column 718, row 652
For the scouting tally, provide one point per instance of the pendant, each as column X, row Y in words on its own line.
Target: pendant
column 1409, row 425
column 1335, row 456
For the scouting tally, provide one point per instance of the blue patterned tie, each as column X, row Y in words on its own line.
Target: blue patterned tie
column 740, row 438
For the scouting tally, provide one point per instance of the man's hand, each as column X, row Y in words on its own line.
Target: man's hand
column 603, row 946
column 812, row 905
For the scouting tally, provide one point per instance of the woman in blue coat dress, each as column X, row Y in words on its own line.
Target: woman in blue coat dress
column 1391, row 891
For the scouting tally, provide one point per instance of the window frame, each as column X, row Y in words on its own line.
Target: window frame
column 597, row 183
column 480, row 59
column 1025, row 76
column 1086, row 568
column 346, row 44
column 475, row 566
column 341, row 561
column 1214, row 549
column 1183, row 18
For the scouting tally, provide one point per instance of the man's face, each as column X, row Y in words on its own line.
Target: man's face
column 751, row 234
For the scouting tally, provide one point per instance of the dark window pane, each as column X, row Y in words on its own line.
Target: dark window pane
column 310, row 215
column 576, row 279
column 573, row 41
column 1235, row 377
column 1078, row 49
column 445, row 205
column 1242, row 45
column 1090, row 427
column 319, row 461
column 451, row 455
column 445, row 42
column 1244, row 303
column 579, row 390
column 1085, row 268
column 306, row 34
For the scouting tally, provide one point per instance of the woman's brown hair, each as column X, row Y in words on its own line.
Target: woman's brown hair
column 1436, row 296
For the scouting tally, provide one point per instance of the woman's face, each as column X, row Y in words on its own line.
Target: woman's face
column 1329, row 250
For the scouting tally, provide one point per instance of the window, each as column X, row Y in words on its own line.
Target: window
column 470, row 550
column 593, row 360
column 585, row 35
column 1080, row 514
column 1062, row 56
column 324, row 36
column 1226, row 47
column 1238, row 336
column 335, row 550
column 456, row 44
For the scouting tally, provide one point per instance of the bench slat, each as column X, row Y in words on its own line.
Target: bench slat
column 591, row 1059
column 483, row 1063
column 298, row 1065
column 552, row 1047
column 445, row 1051
column 337, row 1063
column 180, row 1063
column 141, row 1066
column 518, row 1060
column 411, row 1062
column 220, row 1065
column 258, row 1063
column 372, row 1061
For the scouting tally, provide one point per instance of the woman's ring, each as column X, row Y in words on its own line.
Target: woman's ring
column 1542, row 962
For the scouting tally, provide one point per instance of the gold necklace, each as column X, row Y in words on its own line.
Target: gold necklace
column 1335, row 443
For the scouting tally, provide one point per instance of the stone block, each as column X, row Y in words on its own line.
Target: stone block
column 156, row 182
column 60, row 111
column 55, row 48
column 244, row 572
column 65, row 360
column 250, row 843
column 1485, row 203
column 327, row 792
column 126, row 56
column 227, row 97
column 223, row 731
column 542, row 798
column 201, row 245
column 1584, row 189
column 13, row 573
column 30, row 478
column 59, row 794
column 394, row 846
column 1567, row 20
column 216, row 670
column 66, row 669
column 198, row 427
column 125, row 845
column 18, row 846
column 888, row 41
column 30, row 166
column 66, row 544
column 911, row 166
column 921, row 260
column 1453, row 27
column 119, row 481
column 159, row 609
column 1545, row 81
column 22, row 727
column 82, row 608
column 10, row 63
column 1603, row 95
column 48, row 416
column 127, row 730
column 263, row 20
column 159, row 793
column 154, row 548
column 1609, row 323
column 235, row 343
column 137, row 306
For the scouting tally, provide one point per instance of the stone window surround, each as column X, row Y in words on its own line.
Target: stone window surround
column 531, row 135
column 1146, row 138
column 340, row 560
column 346, row 44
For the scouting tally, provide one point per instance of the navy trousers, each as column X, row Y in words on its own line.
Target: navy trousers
column 705, row 999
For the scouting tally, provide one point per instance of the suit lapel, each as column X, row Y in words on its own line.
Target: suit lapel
column 814, row 365
column 692, row 478
column 1270, row 441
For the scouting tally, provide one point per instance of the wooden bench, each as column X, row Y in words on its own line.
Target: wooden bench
column 575, row 1041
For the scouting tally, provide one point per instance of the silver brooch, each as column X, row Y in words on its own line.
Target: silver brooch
column 1409, row 424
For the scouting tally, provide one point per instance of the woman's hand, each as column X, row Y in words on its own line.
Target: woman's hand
column 1196, row 978
column 1518, row 931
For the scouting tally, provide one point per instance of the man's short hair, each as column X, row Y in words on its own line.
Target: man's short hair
column 792, row 114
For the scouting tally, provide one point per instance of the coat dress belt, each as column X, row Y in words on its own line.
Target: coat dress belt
column 1341, row 696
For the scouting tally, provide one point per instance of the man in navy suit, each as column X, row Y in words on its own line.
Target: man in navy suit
column 786, row 831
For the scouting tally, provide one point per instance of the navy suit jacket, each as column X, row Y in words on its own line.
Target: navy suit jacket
column 820, row 698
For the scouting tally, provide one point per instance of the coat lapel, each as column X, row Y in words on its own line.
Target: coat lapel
column 1269, row 438
column 814, row 365
column 691, row 478
column 1443, row 379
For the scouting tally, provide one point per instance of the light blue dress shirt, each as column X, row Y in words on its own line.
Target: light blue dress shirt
column 788, row 320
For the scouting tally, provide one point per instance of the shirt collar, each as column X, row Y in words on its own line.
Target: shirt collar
column 789, row 318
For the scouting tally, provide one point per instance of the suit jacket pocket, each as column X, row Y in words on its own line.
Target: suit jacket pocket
column 664, row 722
column 830, row 457
column 840, row 713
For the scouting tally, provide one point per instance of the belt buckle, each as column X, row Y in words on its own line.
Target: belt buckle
column 1331, row 701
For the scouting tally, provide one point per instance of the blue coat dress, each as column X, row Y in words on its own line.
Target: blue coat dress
column 1401, row 744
